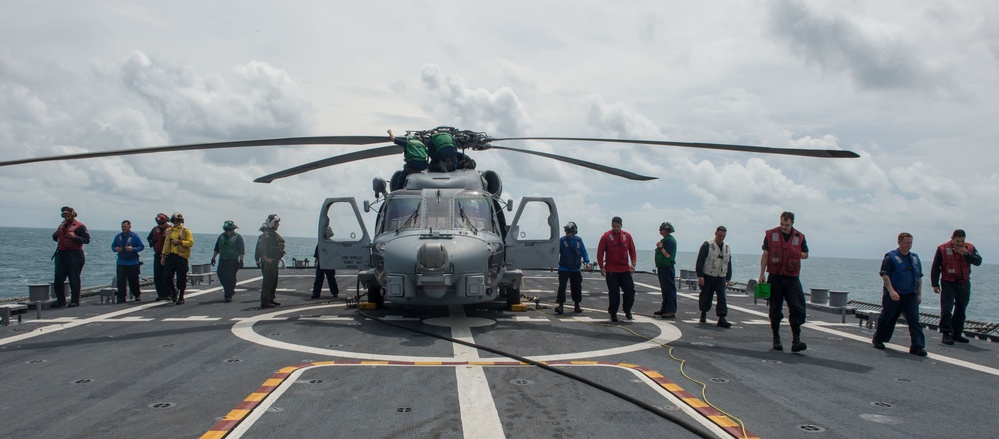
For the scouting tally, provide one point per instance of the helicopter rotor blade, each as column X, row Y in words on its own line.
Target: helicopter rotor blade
column 820, row 153
column 597, row 167
column 340, row 159
column 315, row 140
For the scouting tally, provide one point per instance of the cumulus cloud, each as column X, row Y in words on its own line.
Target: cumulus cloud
column 258, row 101
column 837, row 44
column 498, row 112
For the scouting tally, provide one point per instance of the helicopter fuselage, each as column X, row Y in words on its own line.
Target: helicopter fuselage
column 443, row 240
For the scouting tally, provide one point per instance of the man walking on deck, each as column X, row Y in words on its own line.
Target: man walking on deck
column 902, row 274
column 572, row 255
column 784, row 248
column 230, row 249
column 714, row 273
column 951, row 279
column 613, row 252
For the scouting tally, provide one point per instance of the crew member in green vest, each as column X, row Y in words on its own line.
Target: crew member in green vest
column 230, row 249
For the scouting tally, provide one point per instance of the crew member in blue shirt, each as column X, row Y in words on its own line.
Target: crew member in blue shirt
column 572, row 254
column 127, row 245
column 902, row 274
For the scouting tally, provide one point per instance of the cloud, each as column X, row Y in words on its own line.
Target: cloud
column 258, row 101
column 874, row 60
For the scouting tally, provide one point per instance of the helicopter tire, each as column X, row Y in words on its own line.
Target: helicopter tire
column 375, row 296
column 512, row 297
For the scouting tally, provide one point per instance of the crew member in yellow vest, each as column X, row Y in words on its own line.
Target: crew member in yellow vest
column 176, row 251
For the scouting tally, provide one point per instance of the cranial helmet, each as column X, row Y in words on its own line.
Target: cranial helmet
column 229, row 225
column 161, row 218
column 570, row 227
column 272, row 220
column 667, row 226
column 177, row 218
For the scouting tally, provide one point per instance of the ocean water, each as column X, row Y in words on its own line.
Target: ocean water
column 25, row 258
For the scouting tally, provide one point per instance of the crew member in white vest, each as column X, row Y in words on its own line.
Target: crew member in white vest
column 714, row 273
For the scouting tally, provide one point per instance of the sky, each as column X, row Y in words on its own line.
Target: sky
column 911, row 86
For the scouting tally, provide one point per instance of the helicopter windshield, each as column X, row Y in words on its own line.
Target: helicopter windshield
column 473, row 212
column 400, row 213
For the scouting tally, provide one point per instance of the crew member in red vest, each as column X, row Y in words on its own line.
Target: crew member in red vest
column 69, row 258
column 156, row 238
column 784, row 248
column 951, row 279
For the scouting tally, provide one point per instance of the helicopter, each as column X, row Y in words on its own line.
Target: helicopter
column 439, row 238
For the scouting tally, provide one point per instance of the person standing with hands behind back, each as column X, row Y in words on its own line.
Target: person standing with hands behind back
column 270, row 250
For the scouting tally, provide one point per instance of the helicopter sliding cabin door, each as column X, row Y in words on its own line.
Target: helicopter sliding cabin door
column 532, row 241
column 343, row 240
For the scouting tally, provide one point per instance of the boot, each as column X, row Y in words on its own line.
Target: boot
column 777, row 345
column 723, row 323
column 946, row 339
column 704, row 317
column 577, row 309
column 558, row 309
column 180, row 298
column 798, row 345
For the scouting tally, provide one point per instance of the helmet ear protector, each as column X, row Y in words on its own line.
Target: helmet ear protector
column 272, row 220
column 570, row 227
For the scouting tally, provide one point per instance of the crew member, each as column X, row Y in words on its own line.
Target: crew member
column 329, row 274
column 784, row 248
column 70, row 237
column 666, row 269
column 229, row 247
column 714, row 273
column 572, row 254
column 127, row 245
column 613, row 252
column 414, row 153
column 443, row 154
column 270, row 250
column 176, row 252
column 156, row 238
column 951, row 279
column 902, row 274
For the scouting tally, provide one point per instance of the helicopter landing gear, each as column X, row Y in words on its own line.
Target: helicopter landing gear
column 376, row 299
column 513, row 300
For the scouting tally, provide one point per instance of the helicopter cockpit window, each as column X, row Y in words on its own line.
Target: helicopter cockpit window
column 473, row 213
column 438, row 213
column 400, row 213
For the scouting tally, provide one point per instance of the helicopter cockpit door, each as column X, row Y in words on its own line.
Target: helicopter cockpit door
column 343, row 240
column 532, row 241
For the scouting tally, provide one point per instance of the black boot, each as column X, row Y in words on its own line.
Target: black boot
column 180, row 299
column 723, row 323
column 577, row 309
column 558, row 309
column 777, row 345
column 704, row 317
column 797, row 345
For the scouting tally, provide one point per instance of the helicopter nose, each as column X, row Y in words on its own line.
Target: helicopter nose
column 432, row 256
